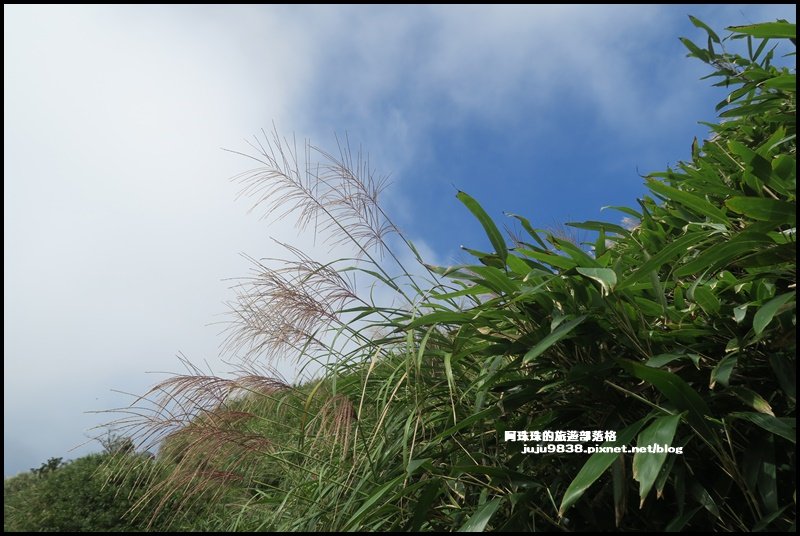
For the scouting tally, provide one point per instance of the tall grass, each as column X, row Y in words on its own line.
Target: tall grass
column 678, row 330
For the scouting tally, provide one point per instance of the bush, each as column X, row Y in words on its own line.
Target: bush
column 74, row 497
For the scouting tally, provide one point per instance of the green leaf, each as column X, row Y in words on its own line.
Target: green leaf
column 749, row 110
column 441, row 317
column 477, row 521
column 371, row 500
column 496, row 279
column 553, row 337
column 666, row 472
column 786, row 428
column 518, row 266
column 605, row 276
column 784, row 166
column 625, row 210
column 701, row 495
column 415, row 464
column 733, row 345
column 553, row 259
column 752, row 399
column 496, row 473
column 577, row 254
column 689, row 200
column 677, row 391
column 767, row 30
column 664, row 255
column 646, row 465
column 488, row 225
column 787, row 82
column 758, row 166
column 596, row 465
column 649, row 307
column 705, row 297
column 488, row 259
column 423, row 505
column 528, row 228
column 722, row 372
column 700, row 24
column 600, row 226
column 658, row 361
column 764, row 209
column 695, row 50
column 767, row 312
column 720, row 255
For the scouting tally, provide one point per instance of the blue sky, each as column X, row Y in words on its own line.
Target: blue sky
column 121, row 228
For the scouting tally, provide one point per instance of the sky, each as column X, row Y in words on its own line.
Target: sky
column 122, row 230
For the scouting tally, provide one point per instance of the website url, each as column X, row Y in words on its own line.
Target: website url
column 569, row 448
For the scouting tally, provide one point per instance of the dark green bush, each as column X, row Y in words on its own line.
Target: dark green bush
column 74, row 497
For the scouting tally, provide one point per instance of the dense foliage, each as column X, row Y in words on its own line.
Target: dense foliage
column 72, row 497
column 676, row 330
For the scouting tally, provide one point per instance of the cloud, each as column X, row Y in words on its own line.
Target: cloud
column 392, row 75
column 445, row 64
column 119, row 224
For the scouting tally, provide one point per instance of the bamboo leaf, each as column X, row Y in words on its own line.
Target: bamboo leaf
column 764, row 209
column 786, row 428
column 488, row 225
column 677, row 391
column 478, row 521
column 556, row 335
column 704, row 296
column 767, row 312
column 752, row 399
column 689, row 200
column 553, row 259
column 646, row 465
column 526, row 224
column 786, row 82
column 600, row 226
column 700, row 24
column 721, row 373
column 596, row 465
column 605, row 276
column 664, row 255
column 720, row 255
column 767, row 30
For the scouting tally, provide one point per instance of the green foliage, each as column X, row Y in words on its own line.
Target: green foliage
column 680, row 331
column 73, row 496
column 48, row 467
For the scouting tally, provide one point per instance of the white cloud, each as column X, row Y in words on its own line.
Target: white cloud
column 446, row 63
column 119, row 223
